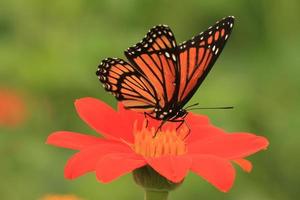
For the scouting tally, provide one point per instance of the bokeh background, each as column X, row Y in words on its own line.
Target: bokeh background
column 49, row 52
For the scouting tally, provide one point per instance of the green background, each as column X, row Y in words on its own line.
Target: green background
column 50, row 50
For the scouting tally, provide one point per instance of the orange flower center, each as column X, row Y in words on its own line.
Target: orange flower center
column 154, row 143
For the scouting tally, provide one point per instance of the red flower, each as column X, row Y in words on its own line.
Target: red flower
column 12, row 108
column 129, row 144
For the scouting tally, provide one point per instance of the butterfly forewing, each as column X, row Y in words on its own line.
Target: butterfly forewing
column 155, row 58
column 198, row 55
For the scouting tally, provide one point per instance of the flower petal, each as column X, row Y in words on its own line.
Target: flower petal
column 174, row 168
column 230, row 146
column 104, row 119
column 217, row 171
column 194, row 119
column 202, row 132
column 246, row 165
column 72, row 140
column 115, row 165
column 86, row 160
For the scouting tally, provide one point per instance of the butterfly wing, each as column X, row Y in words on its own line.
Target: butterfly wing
column 155, row 58
column 127, row 84
column 198, row 55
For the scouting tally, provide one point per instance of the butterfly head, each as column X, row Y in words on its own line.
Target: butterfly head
column 170, row 114
column 181, row 113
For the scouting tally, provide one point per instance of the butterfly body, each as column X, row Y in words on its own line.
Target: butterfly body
column 161, row 76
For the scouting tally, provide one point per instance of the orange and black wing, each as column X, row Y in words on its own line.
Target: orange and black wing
column 155, row 58
column 198, row 55
column 127, row 84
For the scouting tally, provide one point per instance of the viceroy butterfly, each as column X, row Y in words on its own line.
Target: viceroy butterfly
column 161, row 76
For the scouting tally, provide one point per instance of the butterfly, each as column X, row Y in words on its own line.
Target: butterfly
column 160, row 76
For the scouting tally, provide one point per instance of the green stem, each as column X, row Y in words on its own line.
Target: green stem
column 156, row 195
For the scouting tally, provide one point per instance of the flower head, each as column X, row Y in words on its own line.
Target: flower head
column 12, row 108
column 132, row 141
column 60, row 197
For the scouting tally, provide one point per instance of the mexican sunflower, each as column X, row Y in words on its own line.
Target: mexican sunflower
column 132, row 141
column 12, row 108
column 60, row 197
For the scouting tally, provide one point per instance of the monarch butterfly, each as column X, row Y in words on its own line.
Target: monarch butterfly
column 161, row 76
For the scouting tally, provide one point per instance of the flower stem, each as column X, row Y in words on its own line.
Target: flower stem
column 156, row 195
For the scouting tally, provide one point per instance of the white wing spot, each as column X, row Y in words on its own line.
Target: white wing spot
column 173, row 43
column 216, row 50
column 167, row 54
column 170, row 33
column 231, row 25
column 174, row 57
column 210, row 32
column 214, row 47
column 226, row 36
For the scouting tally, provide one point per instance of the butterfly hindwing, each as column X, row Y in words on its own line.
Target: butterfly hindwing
column 126, row 84
column 198, row 55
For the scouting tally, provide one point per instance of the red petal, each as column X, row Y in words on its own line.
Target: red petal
column 195, row 119
column 246, row 165
column 230, row 146
column 72, row 140
column 86, row 160
column 217, row 171
column 128, row 117
column 173, row 168
column 203, row 132
column 115, row 165
column 104, row 119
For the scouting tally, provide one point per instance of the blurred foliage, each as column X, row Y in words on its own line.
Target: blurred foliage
column 50, row 50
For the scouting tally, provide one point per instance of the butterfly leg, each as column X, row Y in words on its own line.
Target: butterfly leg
column 159, row 128
column 182, row 121
column 145, row 115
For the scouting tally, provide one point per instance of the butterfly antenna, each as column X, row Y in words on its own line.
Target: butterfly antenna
column 195, row 104
column 210, row 108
